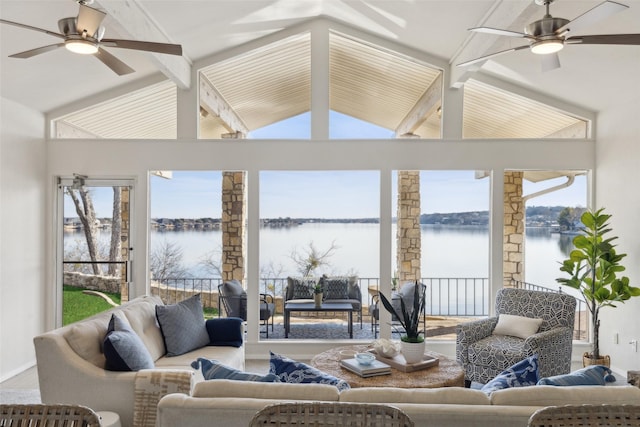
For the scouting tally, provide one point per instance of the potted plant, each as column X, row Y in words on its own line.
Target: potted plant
column 593, row 267
column 412, row 341
column 317, row 294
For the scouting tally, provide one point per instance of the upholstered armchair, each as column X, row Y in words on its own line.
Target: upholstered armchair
column 484, row 354
column 233, row 298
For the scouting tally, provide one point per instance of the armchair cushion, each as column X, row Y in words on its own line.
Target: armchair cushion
column 522, row 374
column 182, row 326
column 517, row 326
column 227, row 331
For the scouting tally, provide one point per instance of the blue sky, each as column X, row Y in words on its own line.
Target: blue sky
column 192, row 194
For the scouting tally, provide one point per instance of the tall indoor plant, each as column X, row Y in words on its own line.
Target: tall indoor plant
column 593, row 267
column 409, row 318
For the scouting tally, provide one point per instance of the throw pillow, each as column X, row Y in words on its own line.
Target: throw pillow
column 302, row 288
column 517, row 326
column 214, row 370
column 123, row 348
column 235, row 299
column 522, row 374
column 290, row 371
column 335, row 287
column 226, row 331
column 182, row 326
column 591, row 375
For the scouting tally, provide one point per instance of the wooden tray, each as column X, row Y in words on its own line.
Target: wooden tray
column 398, row 362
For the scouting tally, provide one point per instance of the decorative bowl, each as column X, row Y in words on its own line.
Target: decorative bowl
column 365, row 358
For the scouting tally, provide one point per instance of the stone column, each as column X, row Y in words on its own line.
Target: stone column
column 233, row 225
column 408, row 226
column 125, row 230
column 514, row 228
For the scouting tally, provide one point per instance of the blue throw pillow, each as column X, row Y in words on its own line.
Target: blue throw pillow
column 591, row 375
column 225, row 331
column 214, row 370
column 290, row 371
column 182, row 326
column 522, row 374
column 123, row 348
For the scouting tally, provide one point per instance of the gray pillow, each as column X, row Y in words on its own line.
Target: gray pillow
column 336, row 287
column 183, row 326
column 123, row 348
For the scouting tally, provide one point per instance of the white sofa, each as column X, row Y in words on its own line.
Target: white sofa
column 233, row 403
column 71, row 366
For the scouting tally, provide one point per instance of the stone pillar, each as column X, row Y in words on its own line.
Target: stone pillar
column 408, row 227
column 514, row 228
column 233, row 225
column 125, row 231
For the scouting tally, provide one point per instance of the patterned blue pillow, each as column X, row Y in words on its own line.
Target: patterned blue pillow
column 182, row 326
column 123, row 348
column 522, row 374
column 591, row 375
column 290, row 371
column 214, row 370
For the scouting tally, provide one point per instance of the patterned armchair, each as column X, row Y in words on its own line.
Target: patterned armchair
column 484, row 355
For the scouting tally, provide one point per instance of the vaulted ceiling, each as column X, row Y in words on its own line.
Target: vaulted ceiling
column 592, row 77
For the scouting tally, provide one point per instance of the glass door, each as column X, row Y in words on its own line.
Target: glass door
column 93, row 267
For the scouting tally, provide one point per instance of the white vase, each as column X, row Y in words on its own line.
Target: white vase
column 413, row 352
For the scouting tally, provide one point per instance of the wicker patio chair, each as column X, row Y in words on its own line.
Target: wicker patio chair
column 40, row 415
column 586, row 415
column 320, row 414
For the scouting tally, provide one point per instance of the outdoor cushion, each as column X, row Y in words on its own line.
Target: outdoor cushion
column 123, row 348
column 335, row 287
column 183, row 326
column 235, row 299
column 299, row 288
column 290, row 371
column 213, row 370
column 522, row 374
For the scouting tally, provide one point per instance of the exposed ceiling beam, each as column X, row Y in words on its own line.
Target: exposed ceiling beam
column 504, row 14
column 214, row 103
column 428, row 103
column 134, row 22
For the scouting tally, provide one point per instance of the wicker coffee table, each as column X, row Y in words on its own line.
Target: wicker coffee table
column 448, row 373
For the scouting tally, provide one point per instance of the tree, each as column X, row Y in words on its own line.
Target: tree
column 87, row 215
column 115, row 247
column 211, row 262
column 166, row 261
column 311, row 258
column 568, row 217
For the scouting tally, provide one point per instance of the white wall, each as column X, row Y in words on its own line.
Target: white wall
column 22, row 235
column 617, row 184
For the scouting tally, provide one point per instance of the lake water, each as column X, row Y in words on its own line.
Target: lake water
column 447, row 251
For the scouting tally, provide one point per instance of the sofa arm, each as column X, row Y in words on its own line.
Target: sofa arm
column 151, row 385
column 553, row 348
column 471, row 332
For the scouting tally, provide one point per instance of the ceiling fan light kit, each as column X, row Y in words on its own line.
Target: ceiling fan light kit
column 548, row 35
column 81, row 46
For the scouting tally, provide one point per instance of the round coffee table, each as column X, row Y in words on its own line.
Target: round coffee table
column 448, row 372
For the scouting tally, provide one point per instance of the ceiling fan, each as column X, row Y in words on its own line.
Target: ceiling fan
column 549, row 35
column 83, row 34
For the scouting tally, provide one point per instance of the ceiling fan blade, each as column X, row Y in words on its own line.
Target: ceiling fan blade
column 499, row 32
column 621, row 39
column 29, row 27
column 483, row 58
column 590, row 17
column 89, row 20
column 550, row 62
column 119, row 67
column 171, row 49
column 36, row 51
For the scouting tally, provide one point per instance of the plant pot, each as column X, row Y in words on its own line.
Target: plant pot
column 317, row 299
column 587, row 360
column 413, row 352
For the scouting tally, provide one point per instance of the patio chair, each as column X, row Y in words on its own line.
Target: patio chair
column 233, row 298
column 40, row 415
column 331, row 414
column 586, row 415
column 406, row 293
column 484, row 355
